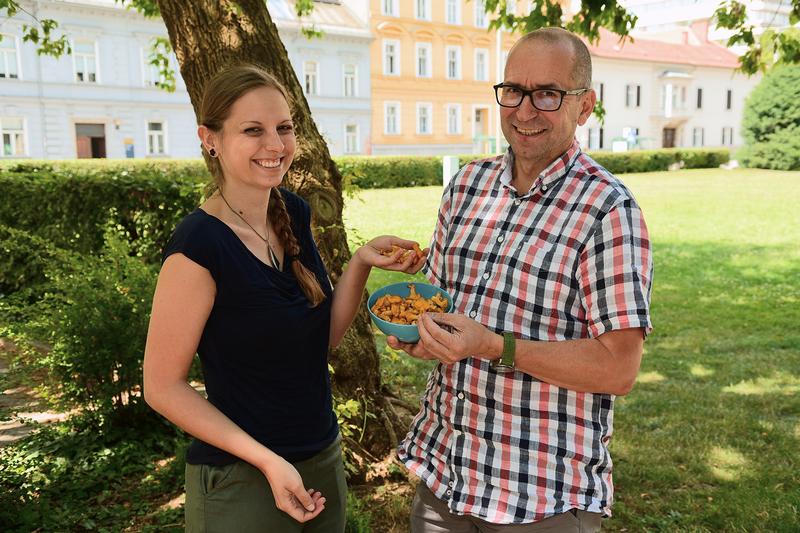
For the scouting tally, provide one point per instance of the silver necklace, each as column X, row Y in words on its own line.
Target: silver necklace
column 273, row 257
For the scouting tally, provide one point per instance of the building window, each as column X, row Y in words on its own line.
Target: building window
column 350, row 80
column 481, row 64
column 633, row 95
column 727, row 135
column 422, row 9
column 453, row 11
column 424, row 119
column 12, row 131
column 481, row 21
column 389, row 7
column 156, row 139
column 424, row 60
column 453, row 62
column 85, row 55
column 9, row 60
column 599, row 90
column 631, row 135
column 729, row 100
column 698, row 137
column 391, row 120
column 699, row 98
column 594, row 138
column 391, row 57
column 351, row 139
column 454, row 119
column 311, row 77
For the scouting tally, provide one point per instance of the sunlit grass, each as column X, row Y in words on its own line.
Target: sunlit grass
column 778, row 383
column 726, row 463
column 650, row 377
column 708, row 440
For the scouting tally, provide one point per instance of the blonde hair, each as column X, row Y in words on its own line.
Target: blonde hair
column 219, row 95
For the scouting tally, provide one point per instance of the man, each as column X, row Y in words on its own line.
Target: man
column 548, row 259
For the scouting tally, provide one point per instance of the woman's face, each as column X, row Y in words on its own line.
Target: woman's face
column 257, row 142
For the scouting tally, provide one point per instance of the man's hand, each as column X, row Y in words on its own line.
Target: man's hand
column 450, row 338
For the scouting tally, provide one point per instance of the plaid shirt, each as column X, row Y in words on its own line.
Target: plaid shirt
column 570, row 259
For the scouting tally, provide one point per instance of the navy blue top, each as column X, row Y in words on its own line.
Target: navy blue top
column 264, row 350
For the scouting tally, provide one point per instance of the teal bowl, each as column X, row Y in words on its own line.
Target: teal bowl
column 404, row 332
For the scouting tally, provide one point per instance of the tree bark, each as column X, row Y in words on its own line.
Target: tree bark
column 208, row 35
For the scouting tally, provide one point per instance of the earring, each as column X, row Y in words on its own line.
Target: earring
column 212, row 152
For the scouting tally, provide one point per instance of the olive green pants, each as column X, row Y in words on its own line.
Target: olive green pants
column 237, row 497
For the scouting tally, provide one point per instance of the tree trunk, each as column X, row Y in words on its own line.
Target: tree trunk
column 208, row 35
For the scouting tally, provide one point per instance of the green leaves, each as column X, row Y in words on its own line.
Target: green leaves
column 770, row 48
column 40, row 33
column 159, row 57
column 593, row 15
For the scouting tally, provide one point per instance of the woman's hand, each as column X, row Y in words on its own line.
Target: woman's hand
column 291, row 496
column 406, row 257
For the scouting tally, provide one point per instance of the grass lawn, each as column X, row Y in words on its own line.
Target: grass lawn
column 709, row 439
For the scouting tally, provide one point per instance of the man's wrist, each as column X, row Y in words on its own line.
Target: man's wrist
column 495, row 347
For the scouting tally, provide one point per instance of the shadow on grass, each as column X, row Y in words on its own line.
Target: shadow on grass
column 708, row 439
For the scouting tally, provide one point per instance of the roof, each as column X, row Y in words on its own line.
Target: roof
column 325, row 14
column 696, row 51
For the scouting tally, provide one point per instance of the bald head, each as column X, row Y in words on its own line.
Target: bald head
column 581, row 59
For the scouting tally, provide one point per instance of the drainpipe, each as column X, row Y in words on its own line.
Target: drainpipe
column 40, row 90
column 498, row 134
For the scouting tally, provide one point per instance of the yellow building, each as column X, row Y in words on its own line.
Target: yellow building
column 433, row 65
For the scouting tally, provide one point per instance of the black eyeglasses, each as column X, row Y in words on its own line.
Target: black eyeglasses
column 542, row 99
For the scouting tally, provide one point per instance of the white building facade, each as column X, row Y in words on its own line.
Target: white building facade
column 666, row 94
column 102, row 100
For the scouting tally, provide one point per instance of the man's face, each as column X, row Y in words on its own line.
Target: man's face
column 538, row 137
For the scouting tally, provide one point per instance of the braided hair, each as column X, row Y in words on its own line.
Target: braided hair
column 219, row 95
column 279, row 218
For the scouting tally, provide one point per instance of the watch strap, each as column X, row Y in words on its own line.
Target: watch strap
column 506, row 361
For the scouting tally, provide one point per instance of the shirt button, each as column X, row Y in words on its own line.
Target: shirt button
column 501, row 238
column 450, row 484
column 485, row 275
column 449, row 492
column 473, row 313
column 544, row 187
column 517, row 201
column 460, row 396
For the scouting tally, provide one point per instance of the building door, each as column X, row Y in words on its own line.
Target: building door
column 480, row 131
column 668, row 138
column 90, row 140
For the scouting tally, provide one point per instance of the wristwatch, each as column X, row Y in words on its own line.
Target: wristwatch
column 505, row 363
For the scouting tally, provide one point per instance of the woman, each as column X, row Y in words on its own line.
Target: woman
column 242, row 284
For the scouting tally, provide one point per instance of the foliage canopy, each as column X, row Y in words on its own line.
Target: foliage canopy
column 771, row 121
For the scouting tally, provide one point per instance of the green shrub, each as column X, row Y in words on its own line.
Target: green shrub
column 771, row 121
column 24, row 259
column 359, row 517
column 780, row 152
column 704, row 157
column 379, row 172
column 637, row 161
column 69, row 203
column 95, row 321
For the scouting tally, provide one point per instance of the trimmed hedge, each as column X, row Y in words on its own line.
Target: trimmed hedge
column 70, row 203
column 384, row 172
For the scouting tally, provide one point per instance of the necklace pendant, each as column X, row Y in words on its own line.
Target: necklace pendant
column 273, row 258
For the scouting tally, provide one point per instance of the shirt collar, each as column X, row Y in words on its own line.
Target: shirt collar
column 554, row 171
